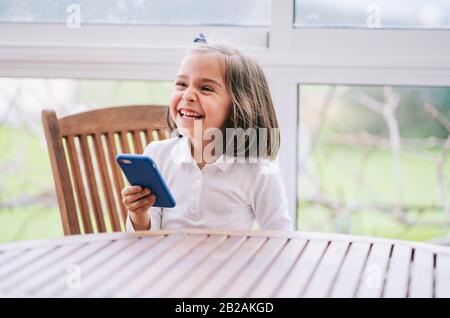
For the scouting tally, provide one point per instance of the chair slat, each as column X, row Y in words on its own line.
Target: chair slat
column 124, row 142
column 162, row 134
column 79, row 185
column 117, row 173
column 148, row 136
column 61, row 174
column 92, row 184
column 106, row 183
column 137, row 142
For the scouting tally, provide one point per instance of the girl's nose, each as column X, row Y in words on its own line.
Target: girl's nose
column 189, row 95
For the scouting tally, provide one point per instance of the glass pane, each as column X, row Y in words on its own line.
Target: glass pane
column 415, row 14
column 28, row 207
column 374, row 161
column 173, row 12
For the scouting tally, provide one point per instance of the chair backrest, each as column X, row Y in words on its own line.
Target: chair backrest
column 82, row 149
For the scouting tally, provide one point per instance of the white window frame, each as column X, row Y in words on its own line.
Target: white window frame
column 290, row 56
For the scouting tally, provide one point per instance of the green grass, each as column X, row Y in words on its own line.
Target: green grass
column 29, row 223
column 336, row 167
column 28, row 173
column 368, row 223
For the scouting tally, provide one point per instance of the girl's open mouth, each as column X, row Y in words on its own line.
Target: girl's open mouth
column 189, row 114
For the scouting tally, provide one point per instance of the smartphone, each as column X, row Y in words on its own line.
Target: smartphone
column 141, row 170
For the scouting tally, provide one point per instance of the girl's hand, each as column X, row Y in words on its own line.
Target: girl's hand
column 137, row 202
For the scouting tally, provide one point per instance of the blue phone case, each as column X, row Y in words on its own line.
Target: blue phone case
column 141, row 170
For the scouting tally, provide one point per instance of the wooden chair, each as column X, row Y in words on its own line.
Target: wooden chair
column 82, row 149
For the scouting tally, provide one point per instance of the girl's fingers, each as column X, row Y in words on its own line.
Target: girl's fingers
column 129, row 199
column 143, row 209
column 130, row 190
column 142, row 203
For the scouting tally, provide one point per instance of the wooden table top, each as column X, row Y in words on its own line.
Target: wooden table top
column 223, row 263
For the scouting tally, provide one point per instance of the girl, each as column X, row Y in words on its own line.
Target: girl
column 217, row 88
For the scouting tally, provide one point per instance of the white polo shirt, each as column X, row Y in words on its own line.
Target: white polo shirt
column 227, row 195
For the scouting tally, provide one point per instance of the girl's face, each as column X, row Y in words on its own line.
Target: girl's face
column 199, row 94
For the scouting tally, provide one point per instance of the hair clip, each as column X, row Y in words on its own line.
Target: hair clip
column 200, row 38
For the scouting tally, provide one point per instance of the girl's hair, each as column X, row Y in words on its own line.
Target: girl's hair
column 252, row 105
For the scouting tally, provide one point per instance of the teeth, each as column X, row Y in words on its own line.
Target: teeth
column 189, row 114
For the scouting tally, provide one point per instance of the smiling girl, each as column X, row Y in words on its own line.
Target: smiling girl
column 217, row 88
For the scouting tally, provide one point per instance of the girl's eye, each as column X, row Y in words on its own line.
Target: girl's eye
column 181, row 84
column 207, row 88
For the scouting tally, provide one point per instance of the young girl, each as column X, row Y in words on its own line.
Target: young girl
column 217, row 87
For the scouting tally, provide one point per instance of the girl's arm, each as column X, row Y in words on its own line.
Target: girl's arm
column 153, row 217
column 269, row 201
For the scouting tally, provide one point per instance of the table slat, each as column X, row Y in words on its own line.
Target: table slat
column 351, row 271
column 327, row 270
column 273, row 278
column 23, row 261
column 231, row 269
column 443, row 276
column 399, row 270
column 302, row 271
column 21, row 276
column 422, row 272
column 198, row 276
column 8, row 256
column 371, row 284
column 162, row 286
column 242, row 285
column 119, row 264
column 165, row 262
column 59, row 287
column 59, row 268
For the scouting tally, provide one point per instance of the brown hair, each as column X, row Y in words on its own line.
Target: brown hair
column 252, row 105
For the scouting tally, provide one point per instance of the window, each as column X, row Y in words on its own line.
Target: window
column 156, row 12
column 374, row 160
column 415, row 14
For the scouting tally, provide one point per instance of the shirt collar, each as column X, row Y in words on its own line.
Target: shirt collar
column 181, row 153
